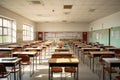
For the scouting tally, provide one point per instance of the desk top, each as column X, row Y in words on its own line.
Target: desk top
column 91, row 48
column 38, row 48
column 112, row 60
column 28, row 53
column 16, row 46
column 6, row 49
column 9, row 60
column 101, row 52
column 63, row 60
column 63, row 52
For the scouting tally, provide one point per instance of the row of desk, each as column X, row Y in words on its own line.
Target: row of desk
column 96, row 52
column 30, row 51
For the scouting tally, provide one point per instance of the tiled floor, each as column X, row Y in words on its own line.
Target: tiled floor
column 41, row 73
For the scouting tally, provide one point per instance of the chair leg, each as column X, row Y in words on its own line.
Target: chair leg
column 61, row 75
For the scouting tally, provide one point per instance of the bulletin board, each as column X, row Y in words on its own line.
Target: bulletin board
column 64, row 35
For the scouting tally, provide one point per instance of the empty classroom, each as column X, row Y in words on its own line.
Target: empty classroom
column 59, row 39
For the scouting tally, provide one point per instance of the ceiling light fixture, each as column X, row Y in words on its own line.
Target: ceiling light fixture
column 91, row 10
column 67, row 6
column 36, row 2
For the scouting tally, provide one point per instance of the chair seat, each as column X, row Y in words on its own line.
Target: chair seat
column 25, row 63
column 56, row 69
column 107, row 69
column 70, row 69
column 117, row 78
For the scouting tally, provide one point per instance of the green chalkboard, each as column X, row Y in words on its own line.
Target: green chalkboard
column 101, row 36
column 115, row 36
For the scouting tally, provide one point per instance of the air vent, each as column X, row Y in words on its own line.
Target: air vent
column 37, row 2
column 67, row 6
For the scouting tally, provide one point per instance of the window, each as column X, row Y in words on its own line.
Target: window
column 7, row 31
column 28, row 33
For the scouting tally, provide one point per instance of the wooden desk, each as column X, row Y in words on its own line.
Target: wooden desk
column 63, row 62
column 12, row 63
column 38, row 49
column 17, row 46
column 98, row 54
column 111, row 62
column 10, row 50
column 85, row 51
column 111, row 49
column 31, row 54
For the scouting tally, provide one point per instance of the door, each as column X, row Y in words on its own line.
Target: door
column 40, row 35
column 84, row 37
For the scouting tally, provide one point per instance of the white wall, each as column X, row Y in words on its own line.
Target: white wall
column 20, row 20
column 62, row 27
column 106, row 22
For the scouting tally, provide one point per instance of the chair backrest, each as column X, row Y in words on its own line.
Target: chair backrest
column 117, row 51
column 2, row 69
column 4, row 54
column 25, row 58
column 62, row 56
column 109, row 47
column 62, row 50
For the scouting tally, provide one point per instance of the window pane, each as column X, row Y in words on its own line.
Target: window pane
column 5, row 31
column 0, row 30
column 0, row 21
column 14, row 25
column 4, row 22
column 9, row 39
column 9, row 24
column 14, row 33
column 0, row 39
column 5, row 38
column 10, row 32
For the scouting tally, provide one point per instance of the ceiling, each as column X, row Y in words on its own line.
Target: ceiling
column 53, row 10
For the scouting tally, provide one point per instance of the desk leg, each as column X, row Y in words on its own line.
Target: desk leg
column 33, row 68
column 14, row 73
column 49, row 73
column 93, row 64
column 36, row 62
column 103, row 72
column 20, row 71
column 33, row 64
column 110, row 73
column 77, row 72
column 39, row 56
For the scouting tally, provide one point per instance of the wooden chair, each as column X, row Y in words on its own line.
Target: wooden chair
column 4, row 73
column 71, row 70
column 25, row 61
column 117, row 78
column 105, row 69
column 56, row 69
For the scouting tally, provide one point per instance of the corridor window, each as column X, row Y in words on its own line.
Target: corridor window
column 28, row 33
column 7, row 31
